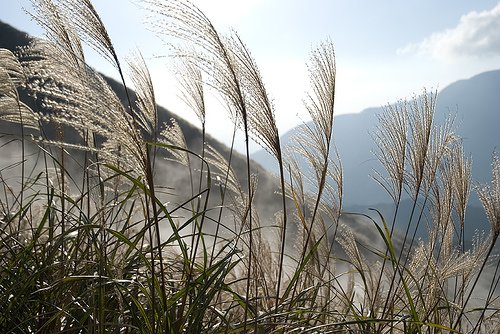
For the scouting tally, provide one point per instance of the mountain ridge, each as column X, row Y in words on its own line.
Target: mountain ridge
column 471, row 100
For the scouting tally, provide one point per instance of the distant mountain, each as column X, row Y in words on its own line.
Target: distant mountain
column 475, row 102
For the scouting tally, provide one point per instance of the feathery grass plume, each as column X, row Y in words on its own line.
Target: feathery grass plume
column 314, row 142
column 58, row 28
column 362, row 267
column 147, row 114
column 461, row 178
column 440, row 252
column 489, row 195
column 441, row 197
column 320, row 101
column 263, row 272
column 74, row 96
column 442, row 141
column 330, row 205
column 224, row 172
column 190, row 78
column 11, row 66
column 210, row 49
column 70, row 22
column 172, row 135
column 260, row 109
column 226, row 62
column 391, row 139
column 332, row 199
column 192, row 92
column 11, row 77
column 262, row 124
column 421, row 112
column 490, row 198
column 83, row 19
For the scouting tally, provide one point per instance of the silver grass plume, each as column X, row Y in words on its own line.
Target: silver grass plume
column 228, row 178
column 360, row 263
column 462, row 174
column 260, row 109
column 58, row 29
column 190, row 78
column 146, row 114
column 223, row 172
column 212, row 55
column 68, row 23
column 67, row 18
column 441, row 226
column 391, row 139
column 490, row 197
column 173, row 136
column 421, row 114
column 234, row 75
column 12, row 68
column 442, row 141
column 75, row 95
column 228, row 63
column 314, row 142
column 11, row 77
column 320, row 101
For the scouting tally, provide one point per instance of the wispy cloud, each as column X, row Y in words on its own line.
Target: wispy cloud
column 477, row 34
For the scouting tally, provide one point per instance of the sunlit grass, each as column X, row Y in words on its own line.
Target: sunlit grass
column 94, row 239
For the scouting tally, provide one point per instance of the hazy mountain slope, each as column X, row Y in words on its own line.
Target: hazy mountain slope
column 476, row 104
column 11, row 38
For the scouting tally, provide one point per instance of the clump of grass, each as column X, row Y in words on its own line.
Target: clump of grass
column 93, row 239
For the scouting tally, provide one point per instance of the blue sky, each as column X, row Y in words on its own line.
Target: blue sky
column 385, row 50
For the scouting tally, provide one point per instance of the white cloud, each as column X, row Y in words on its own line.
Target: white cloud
column 476, row 34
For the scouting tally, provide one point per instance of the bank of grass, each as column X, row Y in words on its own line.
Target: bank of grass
column 96, row 248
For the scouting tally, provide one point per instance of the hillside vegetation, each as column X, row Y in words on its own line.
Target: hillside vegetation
column 99, row 234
